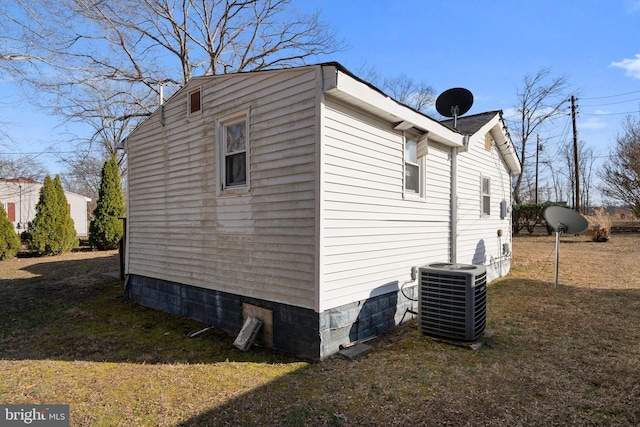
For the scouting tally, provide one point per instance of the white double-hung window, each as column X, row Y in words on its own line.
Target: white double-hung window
column 415, row 151
column 234, row 137
column 485, row 201
column 411, row 167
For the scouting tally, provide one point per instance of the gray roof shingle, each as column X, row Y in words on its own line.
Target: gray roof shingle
column 468, row 125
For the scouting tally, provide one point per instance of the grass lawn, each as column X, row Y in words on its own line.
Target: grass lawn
column 566, row 356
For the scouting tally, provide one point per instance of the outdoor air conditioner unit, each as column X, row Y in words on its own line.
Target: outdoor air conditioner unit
column 453, row 300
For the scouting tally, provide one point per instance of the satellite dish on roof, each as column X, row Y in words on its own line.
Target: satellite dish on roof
column 564, row 220
column 454, row 102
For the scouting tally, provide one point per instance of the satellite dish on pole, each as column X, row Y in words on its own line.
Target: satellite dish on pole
column 564, row 220
column 454, row 103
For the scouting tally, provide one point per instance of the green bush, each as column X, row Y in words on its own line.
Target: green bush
column 529, row 216
column 106, row 230
column 25, row 236
column 9, row 240
column 52, row 230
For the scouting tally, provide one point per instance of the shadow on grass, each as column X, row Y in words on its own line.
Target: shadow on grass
column 73, row 310
column 550, row 361
column 559, row 357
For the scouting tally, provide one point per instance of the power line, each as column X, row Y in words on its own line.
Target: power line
column 518, row 116
column 611, row 96
column 609, row 103
column 607, row 114
column 33, row 153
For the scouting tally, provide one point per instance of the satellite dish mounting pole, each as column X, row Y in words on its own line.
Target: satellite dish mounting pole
column 564, row 221
column 559, row 230
column 455, row 110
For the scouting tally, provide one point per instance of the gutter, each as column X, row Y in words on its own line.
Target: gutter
column 339, row 83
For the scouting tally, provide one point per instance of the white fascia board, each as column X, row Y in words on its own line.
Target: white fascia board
column 506, row 147
column 503, row 142
column 361, row 95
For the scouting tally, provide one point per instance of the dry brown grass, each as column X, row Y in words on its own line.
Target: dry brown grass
column 599, row 226
column 566, row 356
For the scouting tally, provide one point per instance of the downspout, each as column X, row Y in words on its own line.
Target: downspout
column 454, row 197
column 454, row 205
column 127, row 225
column 319, row 217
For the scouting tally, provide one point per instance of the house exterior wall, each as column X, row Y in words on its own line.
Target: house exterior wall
column 24, row 196
column 326, row 238
column 372, row 233
column 478, row 239
column 183, row 228
column 78, row 211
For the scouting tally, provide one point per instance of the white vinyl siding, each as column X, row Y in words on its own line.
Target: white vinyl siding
column 372, row 235
column 325, row 218
column 480, row 243
column 182, row 229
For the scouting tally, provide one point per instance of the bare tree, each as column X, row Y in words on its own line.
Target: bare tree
column 34, row 35
column 417, row 95
column 103, row 63
column 13, row 164
column 23, row 166
column 621, row 173
column 82, row 176
column 541, row 99
column 110, row 110
column 587, row 160
column 559, row 182
column 154, row 42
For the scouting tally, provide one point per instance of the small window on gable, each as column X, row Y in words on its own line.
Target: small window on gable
column 486, row 196
column 411, row 167
column 194, row 101
column 488, row 141
column 235, row 152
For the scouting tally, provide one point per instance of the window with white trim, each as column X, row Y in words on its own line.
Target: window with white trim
column 411, row 167
column 234, row 150
column 486, row 196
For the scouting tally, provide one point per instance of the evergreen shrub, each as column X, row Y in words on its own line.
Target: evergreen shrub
column 9, row 239
column 106, row 229
column 52, row 229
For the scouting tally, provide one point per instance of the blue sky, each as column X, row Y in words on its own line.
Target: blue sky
column 485, row 46
column 489, row 46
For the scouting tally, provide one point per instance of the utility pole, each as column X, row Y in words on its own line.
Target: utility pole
column 537, row 152
column 575, row 154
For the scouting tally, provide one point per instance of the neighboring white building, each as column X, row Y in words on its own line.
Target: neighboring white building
column 19, row 197
column 305, row 196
